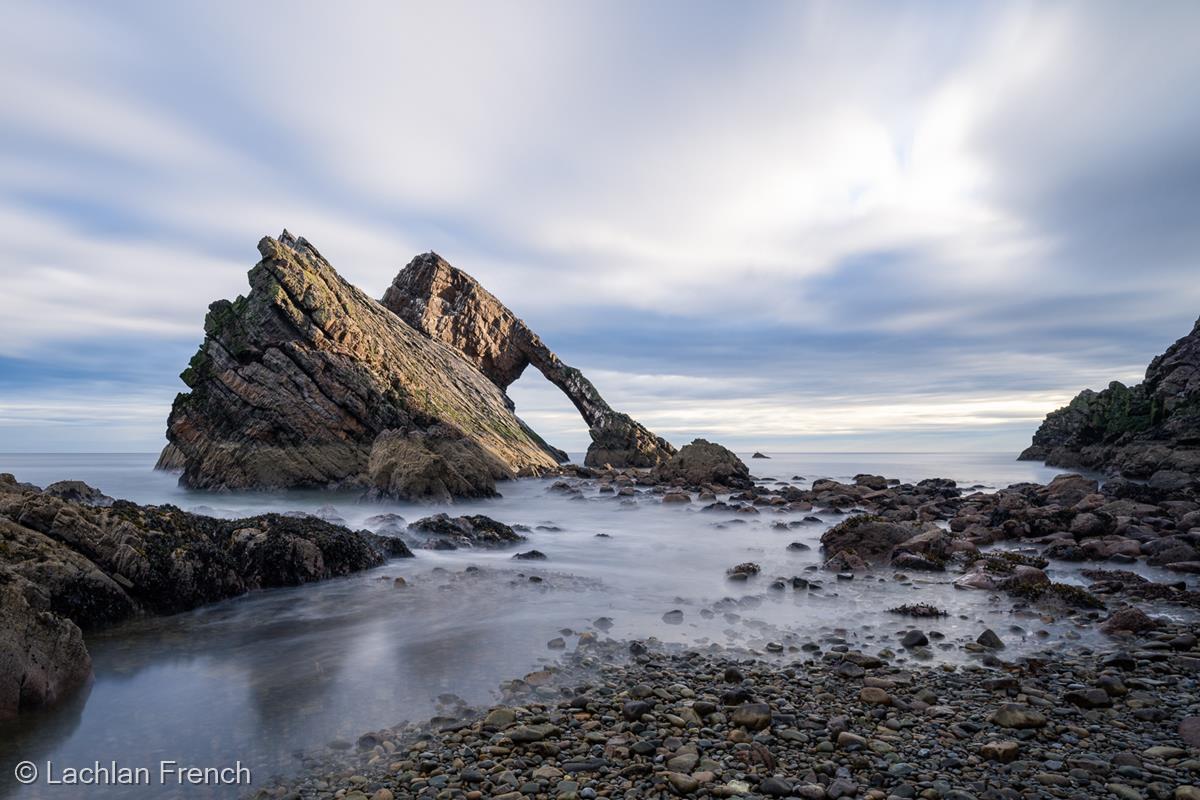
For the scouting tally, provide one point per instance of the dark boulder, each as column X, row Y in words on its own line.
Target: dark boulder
column 474, row 530
column 1128, row 620
column 704, row 463
column 871, row 537
column 79, row 492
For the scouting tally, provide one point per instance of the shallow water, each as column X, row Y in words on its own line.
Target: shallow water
column 260, row 677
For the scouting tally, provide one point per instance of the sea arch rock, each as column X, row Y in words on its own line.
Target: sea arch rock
column 450, row 306
column 308, row 382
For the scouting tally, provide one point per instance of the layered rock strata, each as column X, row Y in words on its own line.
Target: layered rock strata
column 448, row 305
column 308, row 382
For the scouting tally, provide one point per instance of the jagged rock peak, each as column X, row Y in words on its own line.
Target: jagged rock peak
column 308, row 382
column 450, row 306
column 1150, row 430
column 298, row 243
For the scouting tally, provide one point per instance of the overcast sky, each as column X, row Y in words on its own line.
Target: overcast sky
column 804, row 226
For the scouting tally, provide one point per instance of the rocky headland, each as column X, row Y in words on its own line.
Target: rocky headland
column 1147, row 431
column 73, row 559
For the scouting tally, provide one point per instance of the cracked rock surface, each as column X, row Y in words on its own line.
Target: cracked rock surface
column 306, row 382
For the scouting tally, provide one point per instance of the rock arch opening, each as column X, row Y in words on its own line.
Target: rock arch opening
column 545, row 409
column 448, row 305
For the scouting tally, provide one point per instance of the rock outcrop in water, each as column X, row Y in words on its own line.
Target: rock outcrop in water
column 307, row 382
column 443, row 532
column 704, row 463
column 1151, row 430
column 68, row 565
column 450, row 306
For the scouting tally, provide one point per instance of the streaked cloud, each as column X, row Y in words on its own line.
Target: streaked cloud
column 830, row 224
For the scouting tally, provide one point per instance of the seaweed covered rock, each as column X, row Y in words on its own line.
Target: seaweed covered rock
column 66, row 565
column 103, row 563
column 443, row 532
column 1136, row 431
column 705, row 463
column 450, row 306
column 296, row 382
column 872, row 538
column 74, row 586
column 928, row 550
column 79, row 492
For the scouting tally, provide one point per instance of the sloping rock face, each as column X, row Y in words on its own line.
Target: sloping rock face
column 67, row 565
column 450, row 306
column 1138, row 431
column 307, row 382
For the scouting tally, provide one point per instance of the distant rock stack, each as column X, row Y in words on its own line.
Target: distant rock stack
column 450, row 306
column 1151, row 430
column 308, row 382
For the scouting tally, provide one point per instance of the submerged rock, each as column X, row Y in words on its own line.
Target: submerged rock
column 307, row 382
column 918, row 610
column 388, row 523
column 448, row 305
column 743, row 571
